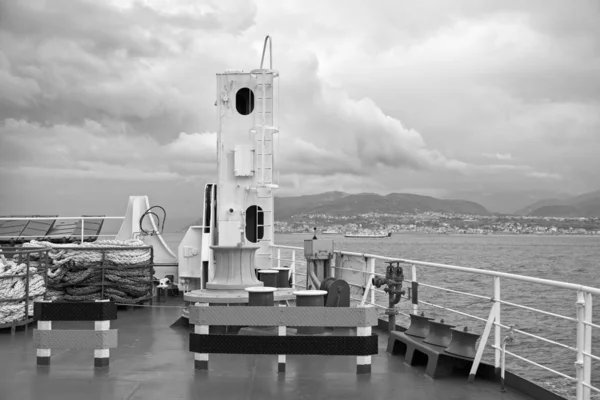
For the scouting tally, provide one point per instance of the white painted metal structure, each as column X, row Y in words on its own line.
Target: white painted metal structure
column 196, row 260
column 238, row 209
column 165, row 262
column 245, row 159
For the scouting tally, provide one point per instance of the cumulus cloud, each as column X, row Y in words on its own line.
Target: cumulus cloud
column 498, row 156
column 95, row 151
column 429, row 97
column 544, row 175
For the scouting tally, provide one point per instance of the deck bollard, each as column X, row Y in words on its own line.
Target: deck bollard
column 419, row 325
column 261, row 296
column 283, row 277
column 463, row 343
column 310, row 298
column 268, row 277
column 439, row 334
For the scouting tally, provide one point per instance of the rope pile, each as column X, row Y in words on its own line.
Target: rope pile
column 13, row 284
column 77, row 274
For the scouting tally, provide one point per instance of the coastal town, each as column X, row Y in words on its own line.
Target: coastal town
column 439, row 223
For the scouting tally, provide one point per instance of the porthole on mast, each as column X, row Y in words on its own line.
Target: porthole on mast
column 255, row 221
column 244, row 101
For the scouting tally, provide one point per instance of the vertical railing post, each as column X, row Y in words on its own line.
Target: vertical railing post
column 332, row 272
column 414, row 279
column 369, row 286
column 278, row 257
column 372, row 272
column 82, row 223
column 293, row 269
column 580, row 304
column 497, row 328
column 587, row 346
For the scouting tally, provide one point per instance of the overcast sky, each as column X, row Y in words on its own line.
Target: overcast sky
column 103, row 99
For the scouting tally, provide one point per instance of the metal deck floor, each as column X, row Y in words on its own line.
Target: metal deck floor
column 153, row 362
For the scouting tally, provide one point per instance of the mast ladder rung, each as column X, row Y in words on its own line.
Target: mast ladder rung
column 267, row 127
column 258, row 128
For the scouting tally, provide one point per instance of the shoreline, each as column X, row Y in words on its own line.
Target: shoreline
column 449, row 234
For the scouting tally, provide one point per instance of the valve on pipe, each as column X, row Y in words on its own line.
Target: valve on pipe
column 394, row 276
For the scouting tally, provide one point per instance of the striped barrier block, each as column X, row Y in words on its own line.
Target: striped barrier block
column 363, row 345
column 81, row 311
column 284, row 316
column 75, row 339
column 101, row 339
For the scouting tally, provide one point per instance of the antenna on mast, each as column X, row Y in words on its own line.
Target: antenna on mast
column 262, row 60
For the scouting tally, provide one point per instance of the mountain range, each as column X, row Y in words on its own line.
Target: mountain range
column 584, row 205
column 507, row 201
column 340, row 203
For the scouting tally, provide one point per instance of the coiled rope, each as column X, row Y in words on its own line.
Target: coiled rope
column 89, row 272
column 13, row 287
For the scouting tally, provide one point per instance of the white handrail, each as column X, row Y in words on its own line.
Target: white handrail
column 583, row 320
column 523, row 278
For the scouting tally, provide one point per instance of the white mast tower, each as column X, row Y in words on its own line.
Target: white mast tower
column 219, row 258
column 245, row 158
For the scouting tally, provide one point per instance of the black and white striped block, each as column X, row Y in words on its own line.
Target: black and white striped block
column 201, row 359
column 363, row 363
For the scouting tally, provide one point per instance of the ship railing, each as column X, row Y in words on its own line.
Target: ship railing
column 281, row 254
column 60, row 236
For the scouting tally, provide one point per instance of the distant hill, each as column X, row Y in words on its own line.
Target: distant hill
column 285, row 207
column 508, row 201
column 541, row 203
column 584, row 205
column 555, row 211
column 338, row 203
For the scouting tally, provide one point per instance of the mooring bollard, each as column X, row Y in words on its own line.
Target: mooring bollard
column 261, row 296
column 310, row 298
column 268, row 277
column 283, row 277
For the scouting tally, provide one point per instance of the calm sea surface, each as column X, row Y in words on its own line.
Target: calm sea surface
column 572, row 259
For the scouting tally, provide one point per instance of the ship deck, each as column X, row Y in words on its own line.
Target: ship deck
column 152, row 361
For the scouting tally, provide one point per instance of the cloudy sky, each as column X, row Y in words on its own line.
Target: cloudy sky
column 103, row 99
